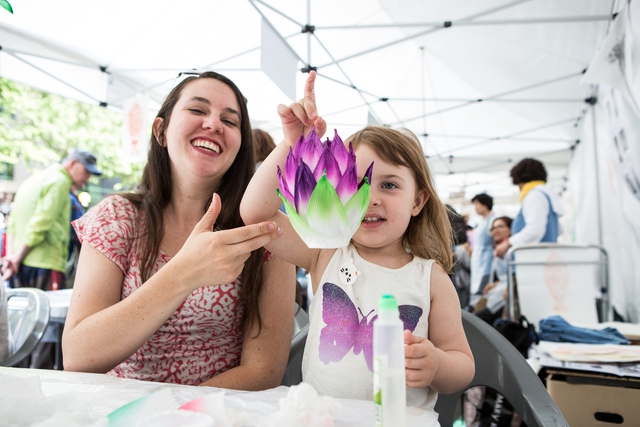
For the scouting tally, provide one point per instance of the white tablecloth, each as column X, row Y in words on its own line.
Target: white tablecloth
column 106, row 394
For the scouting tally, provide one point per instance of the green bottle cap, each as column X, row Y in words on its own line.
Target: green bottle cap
column 387, row 302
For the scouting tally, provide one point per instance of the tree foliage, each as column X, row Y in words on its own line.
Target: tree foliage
column 38, row 128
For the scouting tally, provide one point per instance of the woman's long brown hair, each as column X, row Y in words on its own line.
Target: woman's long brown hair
column 154, row 194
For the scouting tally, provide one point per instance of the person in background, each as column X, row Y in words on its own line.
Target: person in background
column 171, row 286
column 468, row 231
column 460, row 276
column 493, row 298
column 482, row 247
column 263, row 145
column 77, row 210
column 537, row 220
column 38, row 229
column 38, row 232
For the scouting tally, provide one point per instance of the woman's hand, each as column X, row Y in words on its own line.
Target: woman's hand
column 489, row 287
column 502, row 248
column 214, row 258
column 299, row 117
column 421, row 360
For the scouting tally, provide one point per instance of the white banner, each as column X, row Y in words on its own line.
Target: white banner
column 278, row 61
column 135, row 132
column 609, row 198
column 613, row 64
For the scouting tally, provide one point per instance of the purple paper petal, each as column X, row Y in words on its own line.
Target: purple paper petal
column 309, row 149
column 367, row 175
column 284, row 188
column 291, row 167
column 305, row 183
column 328, row 165
column 339, row 152
column 348, row 184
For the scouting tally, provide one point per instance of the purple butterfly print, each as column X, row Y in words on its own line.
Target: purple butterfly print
column 345, row 330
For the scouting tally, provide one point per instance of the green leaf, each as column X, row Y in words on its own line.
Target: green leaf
column 5, row 4
column 306, row 233
column 357, row 207
column 326, row 214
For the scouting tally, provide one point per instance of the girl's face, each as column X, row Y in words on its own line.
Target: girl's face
column 499, row 230
column 203, row 136
column 394, row 200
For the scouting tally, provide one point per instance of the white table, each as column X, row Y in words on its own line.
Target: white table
column 59, row 306
column 106, row 394
column 59, row 303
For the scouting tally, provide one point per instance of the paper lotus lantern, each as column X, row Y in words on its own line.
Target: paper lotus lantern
column 320, row 191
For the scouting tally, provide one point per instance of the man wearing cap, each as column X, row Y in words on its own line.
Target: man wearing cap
column 38, row 234
column 38, row 228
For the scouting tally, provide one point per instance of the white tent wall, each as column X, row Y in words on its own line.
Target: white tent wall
column 602, row 194
column 395, row 61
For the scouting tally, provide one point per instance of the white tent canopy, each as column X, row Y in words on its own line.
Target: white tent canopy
column 484, row 83
column 489, row 82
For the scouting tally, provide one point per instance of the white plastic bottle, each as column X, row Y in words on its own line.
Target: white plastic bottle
column 389, row 385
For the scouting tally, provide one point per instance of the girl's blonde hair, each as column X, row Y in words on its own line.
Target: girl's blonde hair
column 429, row 233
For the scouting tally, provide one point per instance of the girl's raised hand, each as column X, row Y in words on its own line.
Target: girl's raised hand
column 298, row 118
column 421, row 360
column 214, row 258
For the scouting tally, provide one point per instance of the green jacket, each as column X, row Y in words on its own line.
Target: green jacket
column 40, row 218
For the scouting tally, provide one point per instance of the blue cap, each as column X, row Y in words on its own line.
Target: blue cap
column 87, row 158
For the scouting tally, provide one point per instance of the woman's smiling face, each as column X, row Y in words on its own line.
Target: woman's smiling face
column 203, row 135
column 500, row 230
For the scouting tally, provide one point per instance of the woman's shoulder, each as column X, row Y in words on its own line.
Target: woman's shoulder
column 110, row 211
column 116, row 206
column 117, row 201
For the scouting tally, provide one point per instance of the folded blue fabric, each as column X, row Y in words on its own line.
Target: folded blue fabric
column 556, row 329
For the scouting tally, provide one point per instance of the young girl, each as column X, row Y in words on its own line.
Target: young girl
column 402, row 247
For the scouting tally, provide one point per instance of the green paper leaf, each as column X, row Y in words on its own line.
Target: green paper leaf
column 305, row 232
column 357, row 207
column 5, row 4
column 326, row 213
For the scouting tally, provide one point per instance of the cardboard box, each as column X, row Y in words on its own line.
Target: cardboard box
column 590, row 399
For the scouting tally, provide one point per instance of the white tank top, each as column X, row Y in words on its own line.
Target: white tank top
column 338, row 354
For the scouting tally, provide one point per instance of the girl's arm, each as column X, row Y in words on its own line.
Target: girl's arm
column 101, row 331
column 261, row 202
column 264, row 357
column 443, row 362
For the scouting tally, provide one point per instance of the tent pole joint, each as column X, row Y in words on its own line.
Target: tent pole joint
column 308, row 29
column 308, row 69
column 592, row 100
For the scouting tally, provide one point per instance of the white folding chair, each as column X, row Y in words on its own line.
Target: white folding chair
column 552, row 279
column 28, row 317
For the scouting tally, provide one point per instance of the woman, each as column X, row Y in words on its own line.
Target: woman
column 490, row 307
column 538, row 219
column 163, row 293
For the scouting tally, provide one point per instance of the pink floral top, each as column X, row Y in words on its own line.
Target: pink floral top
column 200, row 340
